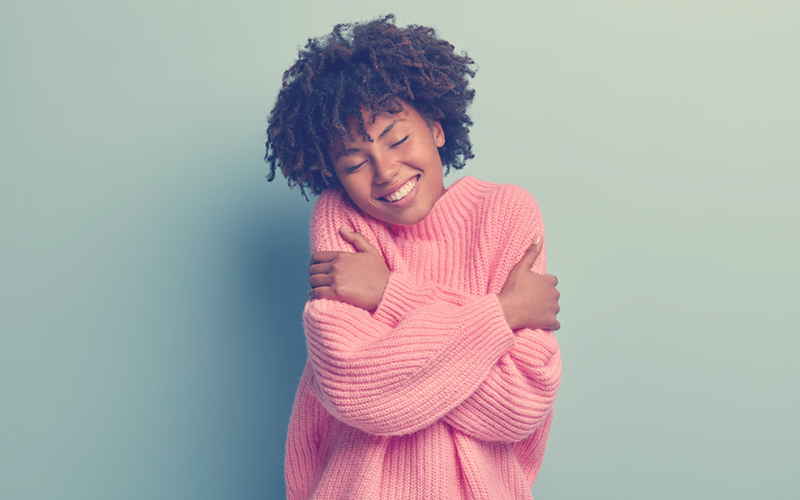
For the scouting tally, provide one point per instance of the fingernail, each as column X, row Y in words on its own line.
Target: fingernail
column 537, row 239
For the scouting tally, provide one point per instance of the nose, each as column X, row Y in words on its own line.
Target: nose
column 385, row 169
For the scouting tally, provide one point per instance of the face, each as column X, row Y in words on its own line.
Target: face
column 398, row 176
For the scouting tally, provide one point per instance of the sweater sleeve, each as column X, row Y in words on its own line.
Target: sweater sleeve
column 394, row 378
column 518, row 394
column 397, row 380
column 429, row 352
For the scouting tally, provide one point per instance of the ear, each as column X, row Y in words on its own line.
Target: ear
column 438, row 133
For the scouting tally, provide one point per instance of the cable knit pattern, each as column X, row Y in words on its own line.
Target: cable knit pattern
column 431, row 396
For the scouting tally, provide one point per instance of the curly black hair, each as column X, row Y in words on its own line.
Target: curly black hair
column 377, row 66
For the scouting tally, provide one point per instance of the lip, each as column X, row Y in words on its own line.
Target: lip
column 406, row 200
column 395, row 187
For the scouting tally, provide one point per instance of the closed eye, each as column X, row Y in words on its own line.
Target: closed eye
column 352, row 169
column 401, row 141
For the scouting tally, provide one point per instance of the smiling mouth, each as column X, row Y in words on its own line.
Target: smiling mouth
column 402, row 192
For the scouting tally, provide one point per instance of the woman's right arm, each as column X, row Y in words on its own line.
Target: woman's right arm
column 395, row 377
column 510, row 402
column 397, row 380
column 518, row 393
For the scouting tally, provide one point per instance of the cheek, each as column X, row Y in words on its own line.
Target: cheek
column 358, row 188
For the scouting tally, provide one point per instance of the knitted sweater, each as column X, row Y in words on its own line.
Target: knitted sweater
column 432, row 395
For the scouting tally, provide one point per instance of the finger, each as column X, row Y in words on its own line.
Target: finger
column 322, row 292
column 323, row 256
column 318, row 280
column 321, row 268
column 358, row 241
column 532, row 253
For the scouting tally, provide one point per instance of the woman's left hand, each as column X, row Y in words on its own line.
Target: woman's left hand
column 356, row 278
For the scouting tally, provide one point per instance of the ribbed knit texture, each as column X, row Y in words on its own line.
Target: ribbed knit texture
column 431, row 396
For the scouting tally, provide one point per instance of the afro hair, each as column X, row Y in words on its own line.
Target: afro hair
column 375, row 66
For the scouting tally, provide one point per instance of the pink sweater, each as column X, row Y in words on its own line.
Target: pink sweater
column 432, row 396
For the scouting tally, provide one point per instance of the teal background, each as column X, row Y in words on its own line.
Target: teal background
column 152, row 281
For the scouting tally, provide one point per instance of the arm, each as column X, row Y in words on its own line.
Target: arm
column 518, row 394
column 516, row 391
column 394, row 379
column 397, row 380
column 362, row 278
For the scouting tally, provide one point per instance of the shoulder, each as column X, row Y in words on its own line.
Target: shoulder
column 332, row 210
column 504, row 220
column 491, row 193
column 510, row 196
column 510, row 217
column 498, row 203
column 512, row 204
column 333, row 202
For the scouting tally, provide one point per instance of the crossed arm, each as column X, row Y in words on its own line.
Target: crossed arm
column 428, row 352
column 528, row 299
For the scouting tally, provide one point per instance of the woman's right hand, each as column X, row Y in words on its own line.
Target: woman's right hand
column 528, row 299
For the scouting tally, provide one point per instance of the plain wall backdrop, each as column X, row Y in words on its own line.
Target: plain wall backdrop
column 152, row 281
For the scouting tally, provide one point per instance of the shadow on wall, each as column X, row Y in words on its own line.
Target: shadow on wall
column 273, row 270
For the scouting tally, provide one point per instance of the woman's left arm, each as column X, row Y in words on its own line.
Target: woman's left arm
column 518, row 393
column 517, row 396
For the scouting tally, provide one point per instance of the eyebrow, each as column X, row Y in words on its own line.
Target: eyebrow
column 348, row 152
column 387, row 129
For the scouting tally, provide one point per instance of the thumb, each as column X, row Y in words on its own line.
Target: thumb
column 532, row 253
column 358, row 241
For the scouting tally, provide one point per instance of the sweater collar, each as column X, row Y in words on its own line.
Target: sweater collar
column 448, row 213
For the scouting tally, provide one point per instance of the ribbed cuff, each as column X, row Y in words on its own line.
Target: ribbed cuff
column 400, row 296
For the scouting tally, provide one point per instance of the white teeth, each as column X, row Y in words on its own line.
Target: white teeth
column 403, row 191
